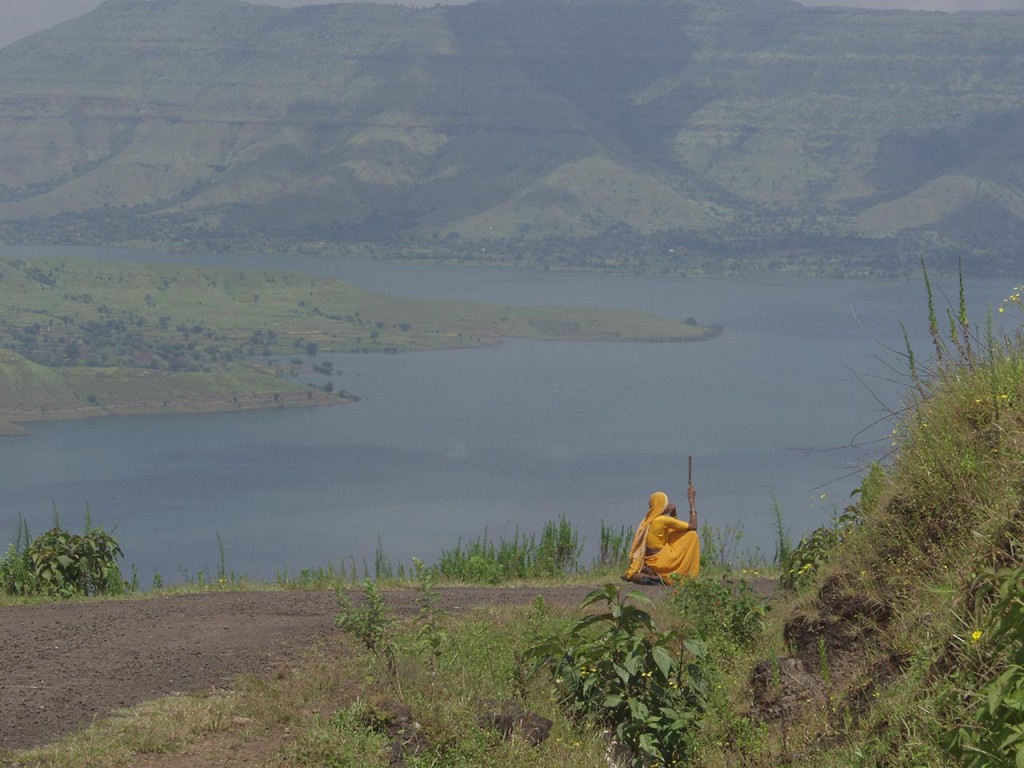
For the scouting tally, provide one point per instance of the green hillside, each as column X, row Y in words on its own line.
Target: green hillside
column 706, row 136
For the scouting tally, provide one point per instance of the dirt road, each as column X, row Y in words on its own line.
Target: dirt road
column 63, row 664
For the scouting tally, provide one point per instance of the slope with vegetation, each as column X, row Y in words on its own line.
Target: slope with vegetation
column 903, row 643
column 701, row 136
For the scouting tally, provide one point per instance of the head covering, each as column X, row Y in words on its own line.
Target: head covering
column 655, row 506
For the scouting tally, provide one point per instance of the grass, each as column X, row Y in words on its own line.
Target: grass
column 552, row 558
column 255, row 711
column 163, row 727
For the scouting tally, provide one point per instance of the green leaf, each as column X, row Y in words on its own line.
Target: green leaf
column 647, row 744
column 592, row 619
column 606, row 593
column 638, row 709
column 995, row 693
column 633, row 616
column 639, row 597
column 671, row 713
column 697, row 647
column 663, row 659
column 631, row 663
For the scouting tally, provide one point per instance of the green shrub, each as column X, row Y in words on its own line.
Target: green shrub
column 371, row 623
column 616, row 670
column 58, row 563
column 67, row 564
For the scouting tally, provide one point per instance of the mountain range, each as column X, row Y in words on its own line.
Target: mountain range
column 675, row 133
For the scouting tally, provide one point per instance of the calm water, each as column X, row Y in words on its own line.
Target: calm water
column 785, row 406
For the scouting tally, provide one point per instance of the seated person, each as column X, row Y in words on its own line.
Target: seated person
column 664, row 547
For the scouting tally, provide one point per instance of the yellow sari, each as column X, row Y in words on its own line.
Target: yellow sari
column 663, row 545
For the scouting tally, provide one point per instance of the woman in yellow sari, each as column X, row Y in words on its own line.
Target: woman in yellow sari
column 664, row 547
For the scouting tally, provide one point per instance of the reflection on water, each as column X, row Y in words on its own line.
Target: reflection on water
column 785, row 406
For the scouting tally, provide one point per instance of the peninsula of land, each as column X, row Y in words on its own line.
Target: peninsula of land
column 81, row 339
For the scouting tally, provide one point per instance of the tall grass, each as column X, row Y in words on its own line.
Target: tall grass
column 486, row 561
column 16, row 571
column 721, row 549
column 613, row 552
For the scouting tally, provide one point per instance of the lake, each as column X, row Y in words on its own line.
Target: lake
column 787, row 407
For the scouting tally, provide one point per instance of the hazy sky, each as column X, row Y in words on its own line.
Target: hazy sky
column 23, row 17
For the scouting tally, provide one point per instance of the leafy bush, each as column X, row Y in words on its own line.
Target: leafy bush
column 615, row 669
column 59, row 563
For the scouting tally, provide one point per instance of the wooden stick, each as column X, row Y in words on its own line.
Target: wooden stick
column 689, row 472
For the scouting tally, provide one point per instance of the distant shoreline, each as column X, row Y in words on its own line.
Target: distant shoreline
column 12, row 421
